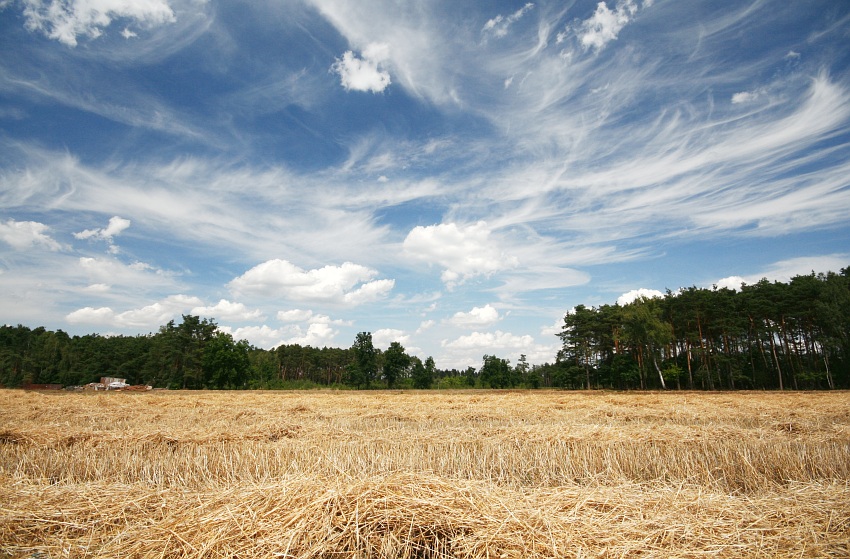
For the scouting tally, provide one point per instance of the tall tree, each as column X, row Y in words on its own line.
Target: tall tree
column 225, row 362
column 362, row 371
column 423, row 373
column 396, row 362
column 647, row 333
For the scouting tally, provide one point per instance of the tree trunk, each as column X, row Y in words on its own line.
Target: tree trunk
column 657, row 368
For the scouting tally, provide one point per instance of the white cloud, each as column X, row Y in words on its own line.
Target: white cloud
column 227, row 310
column 784, row 270
column 635, row 294
column 263, row 336
column 369, row 292
column 349, row 284
column 151, row 316
column 553, row 329
column 22, row 235
column 66, row 20
column 463, row 251
column 318, row 334
column 294, row 315
column 364, row 74
column 490, row 340
column 98, row 288
column 111, row 271
column 743, row 97
column 498, row 26
column 383, row 337
column 731, row 282
column 91, row 315
column 116, row 226
column 476, row 318
column 467, row 350
column 604, row 25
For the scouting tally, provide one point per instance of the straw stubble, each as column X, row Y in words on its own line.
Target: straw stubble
column 458, row 474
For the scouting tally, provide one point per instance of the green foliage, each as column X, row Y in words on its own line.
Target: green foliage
column 497, row 373
column 423, row 373
column 767, row 335
column 396, row 363
column 363, row 369
column 225, row 362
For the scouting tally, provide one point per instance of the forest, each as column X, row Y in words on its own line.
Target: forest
column 765, row 336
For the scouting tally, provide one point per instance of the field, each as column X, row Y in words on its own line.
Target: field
column 424, row 474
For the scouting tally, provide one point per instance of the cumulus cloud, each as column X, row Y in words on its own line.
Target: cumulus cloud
column 743, row 97
column 784, row 270
column 66, row 20
column 263, row 336
column 227, row 310
column 604, row 25
column 364, row 74
column 498, row 26
column 349, row 284
column 476, row 318
column 369, row 292
column 150, row 316
column 463, row 251
column 22, row 235
column 467, row 350
column 318, row 334
column 635, row 294
column 553, row 329
column 294, row 315
column 490, row 340
column 731, row 282
column 116, row 226
column 385, row 336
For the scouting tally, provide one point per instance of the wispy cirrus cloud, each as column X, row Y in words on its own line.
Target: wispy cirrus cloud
column 499, row 25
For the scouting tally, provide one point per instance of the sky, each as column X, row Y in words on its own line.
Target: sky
column 452, row 175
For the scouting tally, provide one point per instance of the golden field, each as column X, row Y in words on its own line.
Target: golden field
column 424, row 474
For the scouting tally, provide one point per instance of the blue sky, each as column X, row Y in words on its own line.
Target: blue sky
column 452, row 175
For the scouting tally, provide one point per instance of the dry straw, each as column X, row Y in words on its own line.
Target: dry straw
column 459, row 474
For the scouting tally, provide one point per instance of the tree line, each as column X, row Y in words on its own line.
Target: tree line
column 770, row 335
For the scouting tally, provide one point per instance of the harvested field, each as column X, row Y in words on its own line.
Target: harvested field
column 424, row 474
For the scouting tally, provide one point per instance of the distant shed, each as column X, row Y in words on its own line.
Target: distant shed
column 106, row 381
